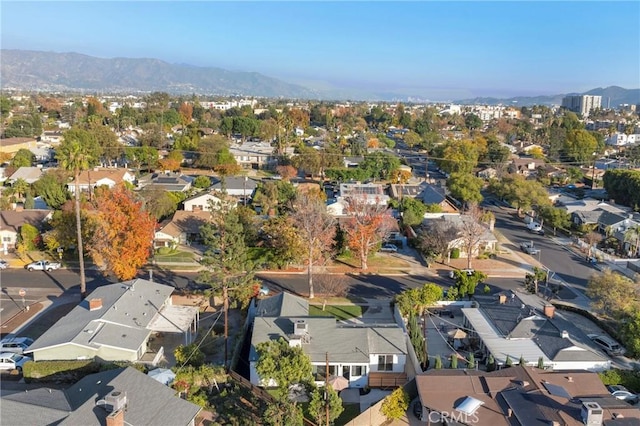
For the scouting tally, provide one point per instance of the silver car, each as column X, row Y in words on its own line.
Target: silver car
column 43, row 265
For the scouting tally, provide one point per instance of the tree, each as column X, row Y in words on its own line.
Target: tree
column 282, row 237
column 532, row 281
column 467, row 284
column 395, row 405
column 508, row 362
column 172, row 161
column 202, row 182
column 491, row 363
column 23, row 158
column 159, row 203
column 472, row 122
column 123, row 234
column 29, row 202
column 612, row 294
column 413, row 211
column 522, row 362
column 434, row 238
column 29, row 238
column 580, row 145
column 283, row 413
column 366, row 226
column 555, row 217
column 414, row 301
column 52, row 188
column 521, row 192
column 78, row 152
column 632, row 234
column 317, row 228
column 541, row 363
column 282, row 365
column 189, row 355
column 226, row 261
column 592, row 239
column 332, row 285
column 465, row 187
column 287, row 172
column 320, row 398
column 630, row 332
column 458, row 156
column 471, row 231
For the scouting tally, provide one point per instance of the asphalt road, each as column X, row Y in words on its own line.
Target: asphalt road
column 568, row 266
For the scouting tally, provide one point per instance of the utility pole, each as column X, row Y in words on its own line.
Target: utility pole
column 326, row 387
column 225, row 307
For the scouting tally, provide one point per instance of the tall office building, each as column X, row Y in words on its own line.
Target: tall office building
column 582, row 104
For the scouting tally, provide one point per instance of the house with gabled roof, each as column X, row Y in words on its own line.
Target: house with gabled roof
column 514, row 326
column 236, row 186
column 172, row 182
column 28, row 174
column 12, row 220
column 115, row 322
column 183, row 228
column 425, row 192
column 365, row 355
column 91, row 179
column 117, row 397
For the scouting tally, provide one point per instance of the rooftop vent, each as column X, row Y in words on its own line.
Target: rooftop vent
column 300, row 328
column 549, row 311
column 565, row 334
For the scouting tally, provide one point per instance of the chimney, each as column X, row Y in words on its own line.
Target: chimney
column 95, row 304
column 549, row 311
column 503, row 299
column 570, row 379
column 116, row 418
column 509, row 412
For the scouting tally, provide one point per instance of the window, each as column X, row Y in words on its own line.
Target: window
column 385, row 362
column 358, row 370
column 319, row 372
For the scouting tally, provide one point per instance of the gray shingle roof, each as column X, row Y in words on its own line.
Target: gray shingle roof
column 127, row 309
column 149, row 402
column 283, row 304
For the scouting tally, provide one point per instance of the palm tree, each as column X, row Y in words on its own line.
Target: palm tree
column 77, row 153
column 633, row 234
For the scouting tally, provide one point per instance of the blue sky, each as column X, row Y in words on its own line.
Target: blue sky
column 437, row 50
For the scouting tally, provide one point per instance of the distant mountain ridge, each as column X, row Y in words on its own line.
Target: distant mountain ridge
column 32, row 70
column 612, row 96
column 75, row 72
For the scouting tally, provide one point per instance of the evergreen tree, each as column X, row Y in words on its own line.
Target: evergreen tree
column 29, row 203
column 438, row 363
column 541, row 363
column 453, row 361
column 508, row 362
column 522, row 361
column 471, row 360
column 491, row 363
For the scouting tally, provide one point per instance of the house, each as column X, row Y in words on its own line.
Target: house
column 182, row 228
column 11, row 221
column 525, row 326
column 13, row 145
column 115, row 322
column 54, row 137
column 256, row 155
column 487, row 173
column 367, row 355
column 201, row 202
column 373, row 193
column 113, row 397
column 28, row 174
column 525, row 166
column 520, row 396
column 171, row 182
column 101, row 177
column 236, row 186
column 486, row 243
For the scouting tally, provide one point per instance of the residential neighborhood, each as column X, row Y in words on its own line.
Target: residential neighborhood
column 469, row 263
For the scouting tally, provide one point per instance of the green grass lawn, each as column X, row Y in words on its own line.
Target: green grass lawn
column 351, row 411
column 341, row 312
column 178, row 256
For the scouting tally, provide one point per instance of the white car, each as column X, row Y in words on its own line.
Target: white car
column 3, row 264
column 12, row 361
column 452, row 274
column 15, row 344
column 43, row 265
column 627, row 396
column 389, row 248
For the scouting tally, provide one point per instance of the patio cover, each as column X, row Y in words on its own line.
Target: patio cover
column 174, row 319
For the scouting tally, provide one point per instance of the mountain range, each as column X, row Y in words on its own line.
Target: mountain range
column 75, row 72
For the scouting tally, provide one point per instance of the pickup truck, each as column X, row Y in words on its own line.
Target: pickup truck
column 528, row 248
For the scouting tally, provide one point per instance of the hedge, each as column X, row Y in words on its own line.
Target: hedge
column 69, row 371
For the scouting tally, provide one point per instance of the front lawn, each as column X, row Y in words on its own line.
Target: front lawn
column 341, row 312
column 174, row 256
column 351, row 411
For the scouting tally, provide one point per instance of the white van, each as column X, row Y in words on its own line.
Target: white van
column 610, row 346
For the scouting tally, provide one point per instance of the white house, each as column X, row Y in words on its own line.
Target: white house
column 201, row 202
column 621, row 139
column 101, row 177
column 365, row 355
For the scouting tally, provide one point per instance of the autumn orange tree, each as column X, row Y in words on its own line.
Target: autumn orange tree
column 367, row 225
column 121, row 241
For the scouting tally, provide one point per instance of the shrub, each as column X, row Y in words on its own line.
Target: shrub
column 455, row 253
column 396, row 404
column 63, row 371
column 189, row 355
column 165, row 250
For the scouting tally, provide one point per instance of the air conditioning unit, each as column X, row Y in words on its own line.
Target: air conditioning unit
column 300, row 328
column 115, row 401
column 592, row 414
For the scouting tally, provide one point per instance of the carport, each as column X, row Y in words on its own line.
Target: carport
column 177, row 319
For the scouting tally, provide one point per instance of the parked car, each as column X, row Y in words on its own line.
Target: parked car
column 527, row 247
column 452, row 274
column 12, row 361
column 43, row 265
column 610, row 346
column 615, row 388
column 626, row 396
column 3, row 264
column 389, row 248
column 15, row 344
